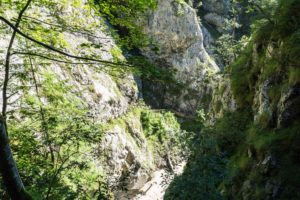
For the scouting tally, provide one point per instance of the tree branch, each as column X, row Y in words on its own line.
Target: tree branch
column 60, row 51
column 262, row 11
column 73, row 29
column 7, row 59
column 52, row 59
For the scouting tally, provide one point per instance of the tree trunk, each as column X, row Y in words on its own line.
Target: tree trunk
column 8, row 168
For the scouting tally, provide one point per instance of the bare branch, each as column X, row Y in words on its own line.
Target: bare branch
column 11, row 95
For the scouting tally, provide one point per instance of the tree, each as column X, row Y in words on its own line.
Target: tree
column 262, row 8
column 8, row 166
column 9, row 171
column 242, row 15
column 123, row 15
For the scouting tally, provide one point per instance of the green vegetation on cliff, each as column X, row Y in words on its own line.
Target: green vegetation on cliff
column 271, row 141
column 252, row 153
column 49, row 123
column 57, row 140
column 123, row 15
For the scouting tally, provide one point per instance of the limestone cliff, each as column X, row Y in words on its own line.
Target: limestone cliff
column 126, row 156
column 142, row 146
column 261, row 83
column 176, row 31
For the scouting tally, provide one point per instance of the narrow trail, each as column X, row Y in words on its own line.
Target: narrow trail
column 156, row 187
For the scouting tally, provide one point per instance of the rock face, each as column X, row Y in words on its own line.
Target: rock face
column 176, row 31
column 216, row 6
column 134, row 160
column 276, row 114
column 207, row 39
column 216, row 12
column 274, row 110
column 128, row 159
column 288, row 106
column 98, row 89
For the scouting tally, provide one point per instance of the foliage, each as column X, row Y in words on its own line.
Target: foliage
column 257, row 10
column 265, row 59
column 201, row 115
column 228, row 48
column 240, row 78
column 201, row 176
column 294, row 75
column 50, row 131
column 236, row 30
column 123, row 15
column 163, row 133
column 52, row 137
column 149, row 71
column 260, row 143
column 272, row 60
column 206, row 166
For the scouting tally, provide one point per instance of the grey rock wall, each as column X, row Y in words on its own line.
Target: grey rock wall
column 216, row 12
column 180, row 42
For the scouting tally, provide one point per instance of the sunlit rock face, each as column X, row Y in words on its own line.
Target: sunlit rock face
column 176, row 32
column 129, row 162
column 106, row 97
column 178, row 42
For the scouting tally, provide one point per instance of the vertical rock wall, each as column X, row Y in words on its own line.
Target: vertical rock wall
column 175, row 29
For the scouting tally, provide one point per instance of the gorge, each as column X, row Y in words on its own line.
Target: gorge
column 150, row 99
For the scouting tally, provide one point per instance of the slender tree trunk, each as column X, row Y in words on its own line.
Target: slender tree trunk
column 7, row 59
column 10, row 174
column 8, row 168
column 42, row 112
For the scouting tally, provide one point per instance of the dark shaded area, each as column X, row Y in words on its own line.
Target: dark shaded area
column 210, row 151
column 239, row 158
